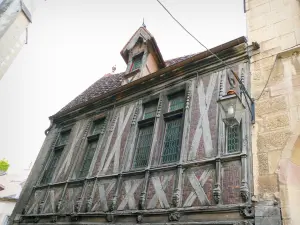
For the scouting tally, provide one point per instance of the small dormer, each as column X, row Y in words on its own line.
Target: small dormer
column 141, row 55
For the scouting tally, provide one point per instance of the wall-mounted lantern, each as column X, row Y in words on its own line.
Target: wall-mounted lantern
column 232, row 108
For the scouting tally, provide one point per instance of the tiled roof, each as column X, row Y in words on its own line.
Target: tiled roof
column 105, row 84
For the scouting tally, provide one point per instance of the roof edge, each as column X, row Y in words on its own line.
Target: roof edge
column 199, row 56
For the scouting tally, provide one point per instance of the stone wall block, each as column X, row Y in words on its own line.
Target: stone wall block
column 274, row 122
column 257, row 22
column 288, row 40
column 272, row 141
column 271, row 105
column 276, row 5
column 295, row 99
column 273, row 160
column 263, row 163
column 269, row 44
column 284, row 26
column 255, row 3
column 276, row 16
column 267, row 184
column 258, row 10
column 263, row 34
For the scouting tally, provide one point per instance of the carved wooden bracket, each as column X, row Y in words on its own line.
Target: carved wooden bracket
column 89, row 205
column 74, row 217
column 176, row 198
column 113, row 204
column 142, row 201
column 36, row 219
column 245, row 193
column 174, row 216
column 54, row 219
column 247, row 211
column 77, row 205
column 109, row 217
column 58, row 206
column 217, row 194
column 139, row 219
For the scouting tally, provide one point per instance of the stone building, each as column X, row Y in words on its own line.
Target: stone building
column 275, row 86
column 14, row 20
column 148, row 146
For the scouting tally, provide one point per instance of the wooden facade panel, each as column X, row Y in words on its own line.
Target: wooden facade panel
column 71, row 150
column 160, row 190
column 103, row 195
column 87, row 196
column 34, row 202
column 231, row 182
column 202, row 141
column 111, row 156
column 197, row 186
column 71, row 196
column 130, row 192
column 53, row 197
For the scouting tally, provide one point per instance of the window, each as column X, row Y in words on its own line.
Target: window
column 52, row 166
column 144, row 142
column 63, row 138
column 143, row 147
column 58, row 149
column 176, row 102
column 173, row 129
column 91, row 147
column 97, row 126
column 136, row 62
column 233, row 139
column 150, row 110
column 89, row 154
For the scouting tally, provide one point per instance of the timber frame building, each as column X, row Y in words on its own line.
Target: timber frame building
column 148, row 146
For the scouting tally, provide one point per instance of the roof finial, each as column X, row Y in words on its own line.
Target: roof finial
column 144, row 25
column 113, row 68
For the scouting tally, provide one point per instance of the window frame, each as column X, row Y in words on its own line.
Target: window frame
column 145, row 123
column 91, row 138
column 58, row 147
column 240, row 130
column 173, row 115
column 134, row 58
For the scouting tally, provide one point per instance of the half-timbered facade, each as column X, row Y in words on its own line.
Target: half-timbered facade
column 147, row 146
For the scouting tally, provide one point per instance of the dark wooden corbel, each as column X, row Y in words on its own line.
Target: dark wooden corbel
column 247, row 211
column 174, row 216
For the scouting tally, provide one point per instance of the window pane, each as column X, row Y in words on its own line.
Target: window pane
column 137, row 62
column 143, row 147
column 64, row 136
column 97, row 126
column 176, row 103
column 233, row 139
column 150, row 110
column 89, row 154
column 51, row 167
column 172, row 141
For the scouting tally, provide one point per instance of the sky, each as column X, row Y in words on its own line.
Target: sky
column 73, row 43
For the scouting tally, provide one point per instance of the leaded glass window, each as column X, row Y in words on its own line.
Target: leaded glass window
column 136, row 62
column 172, row 141
column 233, row 139
column 63, row 138
column 89, row 154
column 150, row 110
column 143, row 146
column 52, row 166
column 97, row 126
column 176, row 102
